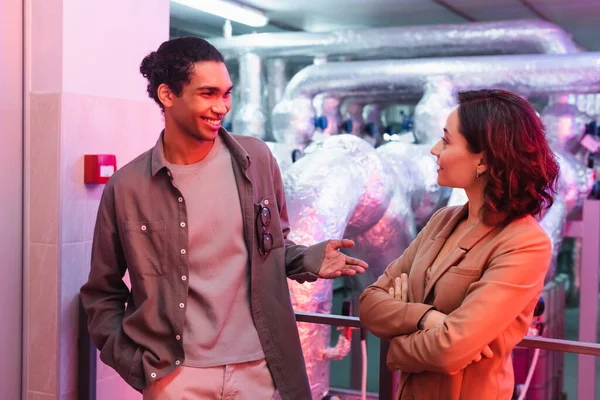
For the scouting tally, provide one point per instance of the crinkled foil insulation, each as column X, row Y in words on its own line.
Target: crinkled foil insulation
column 503, row 37
column 322, row 190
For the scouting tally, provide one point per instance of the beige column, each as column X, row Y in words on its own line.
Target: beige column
column 11, row 196
column 84, row 95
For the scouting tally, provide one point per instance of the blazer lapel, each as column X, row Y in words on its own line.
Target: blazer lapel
column 420, row 264
column 466, row 243
column 451, row 259
column 431, row 249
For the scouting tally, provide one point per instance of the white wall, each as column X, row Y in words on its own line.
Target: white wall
column 11, row 199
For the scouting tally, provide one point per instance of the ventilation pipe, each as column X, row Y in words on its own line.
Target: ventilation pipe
column 503, row 37
column 525, row 74
column 249, row 118
column 433, row 109
column 276, row 82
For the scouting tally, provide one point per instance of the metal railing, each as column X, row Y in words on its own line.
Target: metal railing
column 87, row 352
column 386, row 383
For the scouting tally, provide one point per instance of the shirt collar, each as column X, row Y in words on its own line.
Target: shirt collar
column 237, row 151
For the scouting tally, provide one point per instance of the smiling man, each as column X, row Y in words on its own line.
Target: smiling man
column 200, row 222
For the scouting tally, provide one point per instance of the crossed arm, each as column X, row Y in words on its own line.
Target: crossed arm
column 511, row 281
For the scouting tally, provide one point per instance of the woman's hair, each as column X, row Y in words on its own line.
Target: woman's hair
column 522, row 171
column 172, row 63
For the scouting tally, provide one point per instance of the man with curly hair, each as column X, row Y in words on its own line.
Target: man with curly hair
column 200, row 223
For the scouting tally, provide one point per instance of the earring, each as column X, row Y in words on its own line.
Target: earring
column 478, row 174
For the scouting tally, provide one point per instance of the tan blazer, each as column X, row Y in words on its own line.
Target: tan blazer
column 488, row 286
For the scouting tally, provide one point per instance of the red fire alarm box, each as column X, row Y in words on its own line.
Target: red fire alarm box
column 99, row 167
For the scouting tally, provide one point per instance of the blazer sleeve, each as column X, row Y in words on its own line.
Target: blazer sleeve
column 383, row 315
column 512, row 280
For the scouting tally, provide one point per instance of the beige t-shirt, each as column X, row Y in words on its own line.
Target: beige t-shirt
column 218, row 329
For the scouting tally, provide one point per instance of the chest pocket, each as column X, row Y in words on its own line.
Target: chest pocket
column 451, row 288
column 265, row 227
column 145, row 247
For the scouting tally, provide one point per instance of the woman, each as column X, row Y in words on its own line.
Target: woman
column 462, row 295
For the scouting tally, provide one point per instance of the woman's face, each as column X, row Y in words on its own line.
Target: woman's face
column 458, row 167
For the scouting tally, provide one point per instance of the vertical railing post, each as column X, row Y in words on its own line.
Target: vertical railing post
column 386, row 378
column 86, row 382
column 588, row 297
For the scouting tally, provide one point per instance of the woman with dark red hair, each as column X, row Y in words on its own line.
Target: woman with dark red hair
column 462, row 295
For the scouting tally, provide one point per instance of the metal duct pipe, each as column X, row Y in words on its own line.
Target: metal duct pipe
column 249, row 118
column 386, row 104
column 369, row 105
column 378, row 188
column 386, row 240
column 317, row 212
column 352, row 111
column 574, row 182
column 371, row 115
column 329, row 107
column 394, row 115
column 417, row 169
column 282, row 154
column 233, row 68
column 378, row 97
column 432, row 111
column 504, row 37
column 565, row 127
column 276, row 82
column 587, row 103
column 564, row 123
column 525, row 74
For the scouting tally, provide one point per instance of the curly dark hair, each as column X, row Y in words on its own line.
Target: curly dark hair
column 522, row 170
column 171, row 64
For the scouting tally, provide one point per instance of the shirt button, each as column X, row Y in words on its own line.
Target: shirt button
column 266, row 202
column 153, row 375
column 143, row 227
column 181, row 305
column 177, row 362
column 182, row 224
column 184, row 278
column 182, row 251
column 177, row 337
column 180, row 199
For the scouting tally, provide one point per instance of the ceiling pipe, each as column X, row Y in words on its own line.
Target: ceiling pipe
column 503, row 37
column 524, row 74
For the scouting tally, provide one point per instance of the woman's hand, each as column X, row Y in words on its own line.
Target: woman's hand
column 432, row 319
column 486, row 352
column 400, row 289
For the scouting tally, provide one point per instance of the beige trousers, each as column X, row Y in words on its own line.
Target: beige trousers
column 245, row 381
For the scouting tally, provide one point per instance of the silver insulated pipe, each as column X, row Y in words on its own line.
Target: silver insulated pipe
column 524, row 74
column 504, row 37
column 276, row 83
column 249, row 118
column 328, row 107
column 317, row 212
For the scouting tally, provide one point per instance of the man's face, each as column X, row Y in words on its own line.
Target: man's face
column 199, row 110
